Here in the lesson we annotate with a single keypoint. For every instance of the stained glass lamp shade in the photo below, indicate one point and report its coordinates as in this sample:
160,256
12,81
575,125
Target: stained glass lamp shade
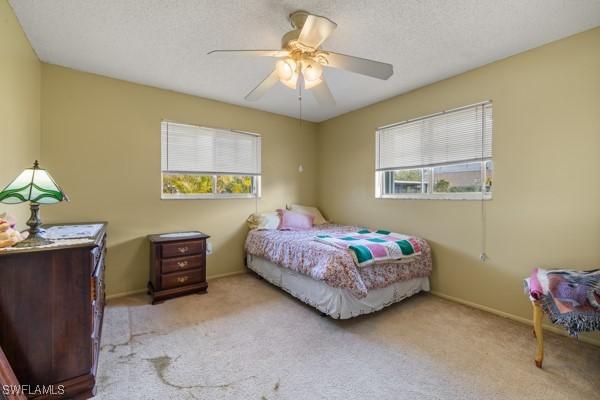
36,186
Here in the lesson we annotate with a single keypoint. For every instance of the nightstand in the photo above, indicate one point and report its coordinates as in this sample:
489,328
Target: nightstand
177,265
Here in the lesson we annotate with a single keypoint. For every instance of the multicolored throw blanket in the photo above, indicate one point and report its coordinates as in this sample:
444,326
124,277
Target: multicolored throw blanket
367,247
569,298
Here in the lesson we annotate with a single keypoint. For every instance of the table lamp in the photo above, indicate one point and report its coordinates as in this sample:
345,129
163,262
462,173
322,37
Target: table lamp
36,186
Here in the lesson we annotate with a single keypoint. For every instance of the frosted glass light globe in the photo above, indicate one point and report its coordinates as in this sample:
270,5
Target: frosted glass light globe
311,84
292,83
285,69
311,70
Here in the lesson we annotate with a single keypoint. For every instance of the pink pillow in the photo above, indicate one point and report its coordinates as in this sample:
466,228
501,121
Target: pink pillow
294,221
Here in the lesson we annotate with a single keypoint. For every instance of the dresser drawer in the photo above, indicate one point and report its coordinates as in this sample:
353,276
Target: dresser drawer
182,278
181,263
181,249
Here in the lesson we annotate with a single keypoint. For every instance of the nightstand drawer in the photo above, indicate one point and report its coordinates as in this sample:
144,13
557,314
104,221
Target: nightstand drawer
181,249
170,265
182,278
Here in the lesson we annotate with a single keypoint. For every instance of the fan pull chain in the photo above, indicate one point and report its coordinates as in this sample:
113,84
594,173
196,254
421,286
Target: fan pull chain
300,101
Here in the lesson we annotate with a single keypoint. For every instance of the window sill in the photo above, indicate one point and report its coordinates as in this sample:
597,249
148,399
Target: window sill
431,196
207,196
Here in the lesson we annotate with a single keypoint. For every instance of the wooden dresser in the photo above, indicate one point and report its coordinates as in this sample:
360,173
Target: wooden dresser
51,309
177,265
9,385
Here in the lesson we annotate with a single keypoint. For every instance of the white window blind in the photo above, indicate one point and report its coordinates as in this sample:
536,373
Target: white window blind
460,135
210,151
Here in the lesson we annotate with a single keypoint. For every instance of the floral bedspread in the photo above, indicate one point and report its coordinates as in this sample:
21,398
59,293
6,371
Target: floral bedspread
298,251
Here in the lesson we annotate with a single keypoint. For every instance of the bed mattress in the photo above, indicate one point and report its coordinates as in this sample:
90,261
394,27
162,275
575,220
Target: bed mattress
336,302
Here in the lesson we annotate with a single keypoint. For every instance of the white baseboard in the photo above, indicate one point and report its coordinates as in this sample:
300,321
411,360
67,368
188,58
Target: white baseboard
550,328
138,291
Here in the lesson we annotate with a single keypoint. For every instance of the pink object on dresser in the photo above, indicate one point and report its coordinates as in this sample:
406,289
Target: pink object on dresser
294,221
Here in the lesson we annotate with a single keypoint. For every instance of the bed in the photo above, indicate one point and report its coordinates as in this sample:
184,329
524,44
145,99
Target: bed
327,277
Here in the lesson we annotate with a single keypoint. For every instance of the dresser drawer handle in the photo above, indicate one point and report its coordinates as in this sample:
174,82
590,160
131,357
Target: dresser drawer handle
182,279
183,249
182,264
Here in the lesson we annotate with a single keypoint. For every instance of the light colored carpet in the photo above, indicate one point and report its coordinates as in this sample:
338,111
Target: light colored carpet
246,339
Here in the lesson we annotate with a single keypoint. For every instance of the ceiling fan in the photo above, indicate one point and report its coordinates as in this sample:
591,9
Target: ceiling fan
301,59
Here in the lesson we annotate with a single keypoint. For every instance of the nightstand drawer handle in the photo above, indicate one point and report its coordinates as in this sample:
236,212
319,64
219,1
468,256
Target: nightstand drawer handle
182,279
182,264
183,249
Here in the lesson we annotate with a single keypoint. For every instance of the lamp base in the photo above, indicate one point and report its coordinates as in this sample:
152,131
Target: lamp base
34,241
34,222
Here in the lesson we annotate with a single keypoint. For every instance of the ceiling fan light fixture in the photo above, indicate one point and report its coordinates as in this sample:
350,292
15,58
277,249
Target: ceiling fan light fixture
286,69
311,70
311,84
292,83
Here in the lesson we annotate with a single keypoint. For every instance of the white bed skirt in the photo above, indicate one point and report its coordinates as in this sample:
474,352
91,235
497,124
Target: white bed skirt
335,302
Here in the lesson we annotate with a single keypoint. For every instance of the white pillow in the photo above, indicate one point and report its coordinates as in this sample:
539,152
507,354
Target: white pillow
263,220
314,211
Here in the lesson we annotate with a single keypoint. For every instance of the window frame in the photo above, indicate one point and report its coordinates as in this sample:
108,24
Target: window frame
256,182
430,194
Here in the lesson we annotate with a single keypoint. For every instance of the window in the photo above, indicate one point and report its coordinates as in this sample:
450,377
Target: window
442,156
199,162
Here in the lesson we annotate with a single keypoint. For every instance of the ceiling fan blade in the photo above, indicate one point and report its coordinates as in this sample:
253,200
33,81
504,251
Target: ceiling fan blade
259,53
315,30
359,65
323,94
263,87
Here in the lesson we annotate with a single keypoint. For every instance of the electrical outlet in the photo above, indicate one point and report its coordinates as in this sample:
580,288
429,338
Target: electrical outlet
208,248
483,257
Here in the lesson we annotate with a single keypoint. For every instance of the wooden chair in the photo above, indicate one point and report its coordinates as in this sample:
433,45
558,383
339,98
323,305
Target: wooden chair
538,317
8,380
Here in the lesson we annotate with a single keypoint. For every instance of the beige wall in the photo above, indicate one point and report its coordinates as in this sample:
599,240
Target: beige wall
101,142
19,105
546,200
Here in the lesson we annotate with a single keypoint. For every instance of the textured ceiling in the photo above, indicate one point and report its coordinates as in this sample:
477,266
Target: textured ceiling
164,43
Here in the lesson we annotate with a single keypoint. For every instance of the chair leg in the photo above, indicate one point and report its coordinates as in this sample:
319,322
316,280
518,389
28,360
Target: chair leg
538,316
